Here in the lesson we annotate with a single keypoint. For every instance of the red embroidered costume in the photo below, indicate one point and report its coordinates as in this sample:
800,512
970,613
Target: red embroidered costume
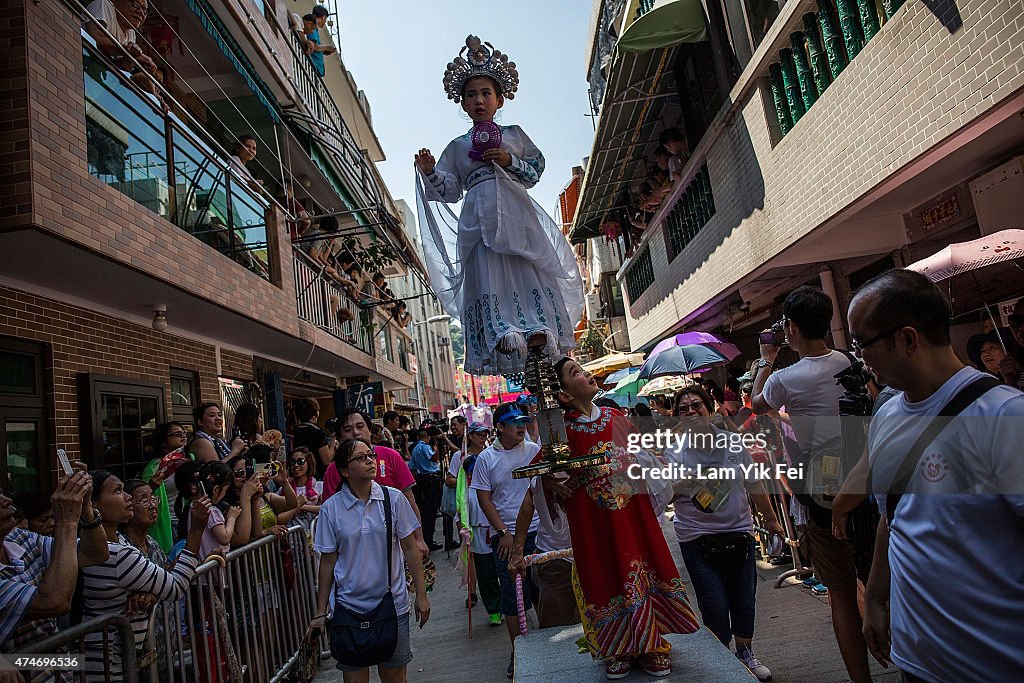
631,591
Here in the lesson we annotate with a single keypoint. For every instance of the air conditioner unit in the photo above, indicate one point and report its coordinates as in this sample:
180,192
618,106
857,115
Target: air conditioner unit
594,306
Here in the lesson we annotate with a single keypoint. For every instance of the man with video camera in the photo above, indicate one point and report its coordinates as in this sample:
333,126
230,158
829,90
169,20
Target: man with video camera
810,395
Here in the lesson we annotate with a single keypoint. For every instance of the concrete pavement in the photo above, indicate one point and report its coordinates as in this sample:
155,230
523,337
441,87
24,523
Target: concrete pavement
793,637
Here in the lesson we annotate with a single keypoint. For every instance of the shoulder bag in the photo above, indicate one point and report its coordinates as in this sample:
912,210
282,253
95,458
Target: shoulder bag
367,639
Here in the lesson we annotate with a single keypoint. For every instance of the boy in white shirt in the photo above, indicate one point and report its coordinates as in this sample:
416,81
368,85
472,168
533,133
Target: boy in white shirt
500,497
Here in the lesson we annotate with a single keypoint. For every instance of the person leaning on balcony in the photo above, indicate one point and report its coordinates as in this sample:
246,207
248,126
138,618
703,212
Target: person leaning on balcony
295,24
316,51
122,19
302,221
320,249
674,141
242,153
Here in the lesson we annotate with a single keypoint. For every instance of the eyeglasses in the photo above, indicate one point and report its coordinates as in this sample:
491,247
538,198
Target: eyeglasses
239,474
692,407
1015,320
297,462
365,457
178,433
858,347
148,501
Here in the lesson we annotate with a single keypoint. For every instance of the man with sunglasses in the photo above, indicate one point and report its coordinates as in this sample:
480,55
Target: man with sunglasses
959,619
809,393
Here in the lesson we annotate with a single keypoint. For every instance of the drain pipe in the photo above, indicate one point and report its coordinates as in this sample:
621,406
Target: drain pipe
828,285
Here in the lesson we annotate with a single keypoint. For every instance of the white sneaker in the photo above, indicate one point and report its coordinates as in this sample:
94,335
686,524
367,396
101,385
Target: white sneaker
762,672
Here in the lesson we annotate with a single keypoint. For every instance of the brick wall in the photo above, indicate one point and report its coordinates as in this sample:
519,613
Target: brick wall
82,341
913,85
235,365
15,197
68,202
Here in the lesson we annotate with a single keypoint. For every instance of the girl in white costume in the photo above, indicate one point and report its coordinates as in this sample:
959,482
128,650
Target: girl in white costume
503,266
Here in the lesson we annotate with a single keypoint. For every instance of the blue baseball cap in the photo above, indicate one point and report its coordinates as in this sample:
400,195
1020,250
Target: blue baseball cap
513,415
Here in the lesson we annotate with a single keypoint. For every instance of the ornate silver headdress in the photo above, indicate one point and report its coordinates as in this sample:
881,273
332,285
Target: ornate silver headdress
481,60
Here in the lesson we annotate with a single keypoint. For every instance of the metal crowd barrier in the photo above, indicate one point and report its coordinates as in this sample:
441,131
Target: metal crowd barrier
242,619
71,642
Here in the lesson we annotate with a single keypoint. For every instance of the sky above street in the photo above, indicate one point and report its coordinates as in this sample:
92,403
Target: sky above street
398,50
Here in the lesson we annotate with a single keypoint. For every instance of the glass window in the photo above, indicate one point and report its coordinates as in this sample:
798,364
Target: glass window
17,373
23,452
115,436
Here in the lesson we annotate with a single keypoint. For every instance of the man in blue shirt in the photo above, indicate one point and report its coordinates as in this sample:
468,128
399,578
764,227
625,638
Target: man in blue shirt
423,464
311,24
945,594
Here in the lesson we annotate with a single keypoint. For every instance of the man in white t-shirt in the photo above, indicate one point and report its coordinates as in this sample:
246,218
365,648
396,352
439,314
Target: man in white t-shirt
500,497
808,392
945,584
122,19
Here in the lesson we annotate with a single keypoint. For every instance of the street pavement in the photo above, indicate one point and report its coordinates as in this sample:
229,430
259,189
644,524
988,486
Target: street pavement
793,637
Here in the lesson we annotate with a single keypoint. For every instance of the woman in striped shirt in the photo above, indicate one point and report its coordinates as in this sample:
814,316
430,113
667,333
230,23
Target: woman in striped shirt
108,587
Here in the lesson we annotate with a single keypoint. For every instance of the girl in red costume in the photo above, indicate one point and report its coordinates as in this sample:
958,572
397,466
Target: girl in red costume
628,589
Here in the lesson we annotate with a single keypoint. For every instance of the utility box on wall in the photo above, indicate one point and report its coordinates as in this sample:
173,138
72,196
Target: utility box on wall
999,197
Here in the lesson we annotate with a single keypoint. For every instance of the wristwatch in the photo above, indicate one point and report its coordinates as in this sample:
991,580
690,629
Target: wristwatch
765,363
501,533
96,521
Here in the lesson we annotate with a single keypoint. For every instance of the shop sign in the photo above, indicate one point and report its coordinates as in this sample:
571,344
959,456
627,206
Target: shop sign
367,397
941,212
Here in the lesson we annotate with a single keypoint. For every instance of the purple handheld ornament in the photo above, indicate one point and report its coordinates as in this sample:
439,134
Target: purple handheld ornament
485,136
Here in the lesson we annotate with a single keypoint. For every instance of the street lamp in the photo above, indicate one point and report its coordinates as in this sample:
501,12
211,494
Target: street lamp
419,375
433,319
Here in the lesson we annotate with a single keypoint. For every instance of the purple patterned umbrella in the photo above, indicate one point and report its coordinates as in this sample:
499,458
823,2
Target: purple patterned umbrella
703,338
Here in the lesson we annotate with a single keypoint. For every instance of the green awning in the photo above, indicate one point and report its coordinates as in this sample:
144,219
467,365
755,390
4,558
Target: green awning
230,49
670,23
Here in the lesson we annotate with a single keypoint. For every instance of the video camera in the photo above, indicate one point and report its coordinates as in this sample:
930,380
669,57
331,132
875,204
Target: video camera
774,335
855,401
435,427
331,427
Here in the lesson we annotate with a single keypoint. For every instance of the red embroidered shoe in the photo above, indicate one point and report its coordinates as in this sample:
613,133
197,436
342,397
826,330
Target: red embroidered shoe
618,668
656,664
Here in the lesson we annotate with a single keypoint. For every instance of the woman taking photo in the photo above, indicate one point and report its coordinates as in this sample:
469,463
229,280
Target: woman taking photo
302,468
169,440
108,587
714,527
270,512
354,545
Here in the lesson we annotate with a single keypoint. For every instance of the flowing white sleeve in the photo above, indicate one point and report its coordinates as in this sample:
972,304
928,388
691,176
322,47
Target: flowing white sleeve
439,227
528,167
444,179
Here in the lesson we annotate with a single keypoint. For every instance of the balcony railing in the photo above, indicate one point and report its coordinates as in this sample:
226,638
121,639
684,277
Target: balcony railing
163,165
326,305
832,37
640,275
325,119
691,212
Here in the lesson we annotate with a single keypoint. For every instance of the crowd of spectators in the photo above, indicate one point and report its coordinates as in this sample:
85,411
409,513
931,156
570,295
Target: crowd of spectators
133,545
663,171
